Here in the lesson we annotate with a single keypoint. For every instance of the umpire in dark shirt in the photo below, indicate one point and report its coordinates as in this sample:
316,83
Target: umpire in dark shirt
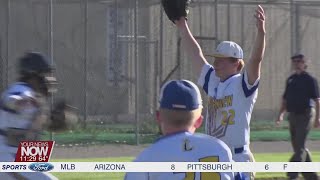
300,100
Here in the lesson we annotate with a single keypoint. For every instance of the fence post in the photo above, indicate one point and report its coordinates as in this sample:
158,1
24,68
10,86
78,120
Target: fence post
292,27
50,45
6,67
85,64
136,70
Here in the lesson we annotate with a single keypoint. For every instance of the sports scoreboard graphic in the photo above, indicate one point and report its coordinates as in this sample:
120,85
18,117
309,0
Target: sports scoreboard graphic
34,156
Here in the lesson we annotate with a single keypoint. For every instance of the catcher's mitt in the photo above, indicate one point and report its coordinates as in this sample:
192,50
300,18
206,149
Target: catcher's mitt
176,8
63,117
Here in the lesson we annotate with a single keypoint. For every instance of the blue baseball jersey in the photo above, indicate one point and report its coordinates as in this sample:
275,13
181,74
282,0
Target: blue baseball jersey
184,147
229,107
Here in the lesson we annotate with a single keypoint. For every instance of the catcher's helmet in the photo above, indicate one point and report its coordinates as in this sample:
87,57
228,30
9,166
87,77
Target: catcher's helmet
34,63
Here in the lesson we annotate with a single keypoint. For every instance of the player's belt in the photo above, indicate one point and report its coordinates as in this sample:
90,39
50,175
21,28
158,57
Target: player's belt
238,150
3,133
8,110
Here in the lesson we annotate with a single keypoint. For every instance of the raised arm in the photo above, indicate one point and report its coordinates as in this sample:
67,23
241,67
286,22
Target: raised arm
191,46
254,64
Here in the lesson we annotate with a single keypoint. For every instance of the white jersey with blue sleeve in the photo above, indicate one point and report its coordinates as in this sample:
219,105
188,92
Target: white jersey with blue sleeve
229,107
184,147
16,119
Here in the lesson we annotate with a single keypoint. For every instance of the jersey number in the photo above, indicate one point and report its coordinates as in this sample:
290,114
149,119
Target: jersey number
205,175
228,114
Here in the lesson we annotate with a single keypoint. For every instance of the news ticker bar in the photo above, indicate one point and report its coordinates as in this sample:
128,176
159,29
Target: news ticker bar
160,167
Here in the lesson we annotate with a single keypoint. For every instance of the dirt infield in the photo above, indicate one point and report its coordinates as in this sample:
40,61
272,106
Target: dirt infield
114,150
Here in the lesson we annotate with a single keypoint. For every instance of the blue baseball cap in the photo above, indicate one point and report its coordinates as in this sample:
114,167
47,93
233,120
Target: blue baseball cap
180,95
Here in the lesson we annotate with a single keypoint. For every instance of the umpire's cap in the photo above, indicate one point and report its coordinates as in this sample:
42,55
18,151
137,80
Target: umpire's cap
297,56
34,63
180,95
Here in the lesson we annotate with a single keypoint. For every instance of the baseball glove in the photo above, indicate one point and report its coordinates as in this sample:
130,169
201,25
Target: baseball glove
63,117
176,8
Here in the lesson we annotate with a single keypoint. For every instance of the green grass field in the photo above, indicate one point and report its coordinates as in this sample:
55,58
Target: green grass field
265,157
115,133
129,138
101,137
108,133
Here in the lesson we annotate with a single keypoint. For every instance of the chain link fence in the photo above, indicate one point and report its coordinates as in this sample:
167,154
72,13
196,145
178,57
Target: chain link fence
111,56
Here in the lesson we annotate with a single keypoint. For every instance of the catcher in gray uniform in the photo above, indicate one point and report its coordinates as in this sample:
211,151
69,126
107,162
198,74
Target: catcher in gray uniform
24,110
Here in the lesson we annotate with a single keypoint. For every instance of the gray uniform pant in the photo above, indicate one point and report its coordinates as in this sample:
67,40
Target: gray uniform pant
300,125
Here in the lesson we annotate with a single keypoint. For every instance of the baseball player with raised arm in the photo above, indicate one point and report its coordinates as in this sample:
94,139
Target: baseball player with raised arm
232,92
24,111
178,117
